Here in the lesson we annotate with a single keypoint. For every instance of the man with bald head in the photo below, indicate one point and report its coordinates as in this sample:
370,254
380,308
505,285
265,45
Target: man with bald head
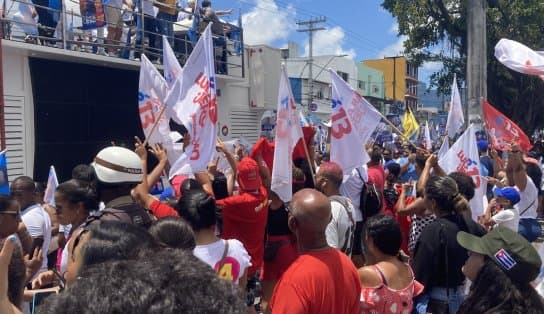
341,229
322,279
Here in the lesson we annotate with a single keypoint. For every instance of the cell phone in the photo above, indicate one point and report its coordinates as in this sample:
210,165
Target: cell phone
40,295
36,243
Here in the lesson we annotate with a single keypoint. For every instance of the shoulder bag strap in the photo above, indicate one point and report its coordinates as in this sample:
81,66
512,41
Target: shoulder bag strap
526,209
222,260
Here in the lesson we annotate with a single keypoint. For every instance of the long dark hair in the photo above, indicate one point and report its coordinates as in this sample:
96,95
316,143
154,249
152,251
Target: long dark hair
446,194
494,292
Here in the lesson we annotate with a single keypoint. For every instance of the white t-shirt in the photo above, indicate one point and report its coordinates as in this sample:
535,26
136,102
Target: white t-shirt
351,188
340,230
508,218
38,224
235,264
528,200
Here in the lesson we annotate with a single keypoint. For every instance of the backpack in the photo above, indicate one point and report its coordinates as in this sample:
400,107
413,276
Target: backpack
370,201
129,213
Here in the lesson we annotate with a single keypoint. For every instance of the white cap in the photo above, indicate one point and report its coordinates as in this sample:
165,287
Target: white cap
116,164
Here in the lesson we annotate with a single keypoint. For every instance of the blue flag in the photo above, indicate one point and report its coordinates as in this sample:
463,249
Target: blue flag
4,183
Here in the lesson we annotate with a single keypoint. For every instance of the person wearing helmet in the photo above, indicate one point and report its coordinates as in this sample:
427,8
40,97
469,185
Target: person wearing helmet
118,170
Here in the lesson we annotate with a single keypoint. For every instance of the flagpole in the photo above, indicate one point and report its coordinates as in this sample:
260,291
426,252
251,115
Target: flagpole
308,158
154,125
399,132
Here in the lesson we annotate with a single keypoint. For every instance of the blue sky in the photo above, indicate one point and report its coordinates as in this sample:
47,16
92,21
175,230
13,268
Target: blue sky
359,28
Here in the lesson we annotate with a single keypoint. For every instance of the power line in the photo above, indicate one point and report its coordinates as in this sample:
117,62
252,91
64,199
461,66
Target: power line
311,28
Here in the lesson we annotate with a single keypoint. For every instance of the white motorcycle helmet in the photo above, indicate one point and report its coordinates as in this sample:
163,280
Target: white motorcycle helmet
116,164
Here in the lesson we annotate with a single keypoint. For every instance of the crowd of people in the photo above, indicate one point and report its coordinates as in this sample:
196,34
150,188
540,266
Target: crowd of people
395,235
121,28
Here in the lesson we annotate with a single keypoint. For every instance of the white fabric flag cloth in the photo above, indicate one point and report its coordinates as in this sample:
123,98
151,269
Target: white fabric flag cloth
456,118
463,157
52,184
152,90
288,132
519,57
353,121
427,137
444,148
193,103
171,66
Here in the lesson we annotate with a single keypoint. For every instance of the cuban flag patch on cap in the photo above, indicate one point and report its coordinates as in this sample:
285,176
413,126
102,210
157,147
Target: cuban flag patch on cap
504,259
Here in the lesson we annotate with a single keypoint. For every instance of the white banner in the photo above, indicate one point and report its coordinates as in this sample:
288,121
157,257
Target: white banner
519,57
353,121
463,157
193,103
427,137
52,184
288,132
456,118
171,66
152,90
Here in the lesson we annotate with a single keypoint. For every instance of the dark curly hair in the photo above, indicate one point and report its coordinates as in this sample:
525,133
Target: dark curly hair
494,292
167,282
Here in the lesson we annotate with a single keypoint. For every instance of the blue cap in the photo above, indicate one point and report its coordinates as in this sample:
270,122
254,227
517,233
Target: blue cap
509,193
482,145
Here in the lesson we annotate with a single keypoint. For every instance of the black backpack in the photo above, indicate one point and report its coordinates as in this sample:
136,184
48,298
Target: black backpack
370,200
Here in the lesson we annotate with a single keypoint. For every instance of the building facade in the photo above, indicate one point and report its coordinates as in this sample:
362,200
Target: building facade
400,82
370,84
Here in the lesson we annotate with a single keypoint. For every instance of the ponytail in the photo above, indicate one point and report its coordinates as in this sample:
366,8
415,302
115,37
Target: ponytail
459,204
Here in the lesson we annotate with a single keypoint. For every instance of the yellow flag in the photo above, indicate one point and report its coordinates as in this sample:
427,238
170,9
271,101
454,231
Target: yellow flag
409,123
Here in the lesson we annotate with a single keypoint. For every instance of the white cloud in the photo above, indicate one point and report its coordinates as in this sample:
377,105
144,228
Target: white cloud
330,42
432,66
266,23
394,29
395,49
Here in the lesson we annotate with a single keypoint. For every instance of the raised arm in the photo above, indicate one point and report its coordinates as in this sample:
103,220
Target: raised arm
160,153
515,169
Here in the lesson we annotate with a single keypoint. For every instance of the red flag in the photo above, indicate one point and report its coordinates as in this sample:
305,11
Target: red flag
309,133
265,148
502,131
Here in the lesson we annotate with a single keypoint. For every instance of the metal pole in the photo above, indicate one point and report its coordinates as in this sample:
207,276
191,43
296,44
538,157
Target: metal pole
476,61
63,24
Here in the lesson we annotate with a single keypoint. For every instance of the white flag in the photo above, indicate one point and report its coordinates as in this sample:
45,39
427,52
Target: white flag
52,183
152,90
463,157
171,66
519,57
444,148
456,118
427,137
288,132
353,121
193,103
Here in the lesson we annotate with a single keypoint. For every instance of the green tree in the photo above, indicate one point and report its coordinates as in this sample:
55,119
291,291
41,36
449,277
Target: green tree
440,25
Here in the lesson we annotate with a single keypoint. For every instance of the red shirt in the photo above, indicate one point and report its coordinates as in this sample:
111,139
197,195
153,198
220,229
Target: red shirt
161,210
318,282
376,175
244,219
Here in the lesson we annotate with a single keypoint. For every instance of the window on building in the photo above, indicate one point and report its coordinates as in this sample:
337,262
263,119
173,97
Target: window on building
343,75
320,94
361,84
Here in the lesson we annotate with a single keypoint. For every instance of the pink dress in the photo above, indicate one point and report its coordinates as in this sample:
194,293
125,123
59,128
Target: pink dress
384,300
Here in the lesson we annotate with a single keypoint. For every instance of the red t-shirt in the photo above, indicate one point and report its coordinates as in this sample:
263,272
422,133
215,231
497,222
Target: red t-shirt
376,175
244,219
318,282
161,210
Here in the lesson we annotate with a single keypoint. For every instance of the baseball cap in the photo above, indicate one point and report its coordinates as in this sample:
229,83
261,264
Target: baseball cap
248,174
509,250
509,193
482,145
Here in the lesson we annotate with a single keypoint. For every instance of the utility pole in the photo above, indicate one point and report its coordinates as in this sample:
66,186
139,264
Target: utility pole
476,61
311,28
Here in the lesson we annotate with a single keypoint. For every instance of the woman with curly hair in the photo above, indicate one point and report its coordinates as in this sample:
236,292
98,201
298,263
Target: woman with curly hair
501,266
